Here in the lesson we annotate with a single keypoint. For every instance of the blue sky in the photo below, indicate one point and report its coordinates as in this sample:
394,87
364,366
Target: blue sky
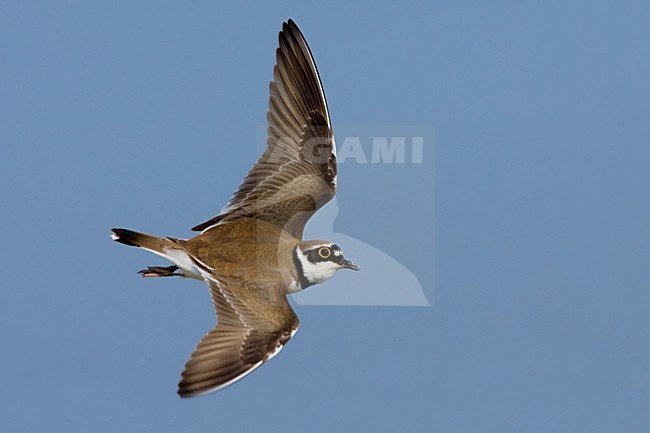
526,224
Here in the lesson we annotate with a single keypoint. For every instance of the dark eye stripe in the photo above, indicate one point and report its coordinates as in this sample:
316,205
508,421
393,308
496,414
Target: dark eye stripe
315,257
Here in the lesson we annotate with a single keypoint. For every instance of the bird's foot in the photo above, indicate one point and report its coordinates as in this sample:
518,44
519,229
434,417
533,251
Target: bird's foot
160,271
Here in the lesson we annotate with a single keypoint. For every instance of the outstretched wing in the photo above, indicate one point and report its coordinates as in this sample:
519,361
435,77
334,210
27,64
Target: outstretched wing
296,174
253,325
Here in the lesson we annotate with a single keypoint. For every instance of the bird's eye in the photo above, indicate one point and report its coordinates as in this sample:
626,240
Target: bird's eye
324,252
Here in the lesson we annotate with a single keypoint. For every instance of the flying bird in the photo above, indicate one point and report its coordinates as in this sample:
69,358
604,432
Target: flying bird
252,254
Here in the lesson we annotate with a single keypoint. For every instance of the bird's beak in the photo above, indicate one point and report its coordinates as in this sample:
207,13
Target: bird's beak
346,264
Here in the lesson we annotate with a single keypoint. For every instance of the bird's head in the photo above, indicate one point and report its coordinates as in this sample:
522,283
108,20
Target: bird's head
319,260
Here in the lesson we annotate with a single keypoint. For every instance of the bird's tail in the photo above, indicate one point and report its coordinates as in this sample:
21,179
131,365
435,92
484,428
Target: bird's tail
141,240
169,248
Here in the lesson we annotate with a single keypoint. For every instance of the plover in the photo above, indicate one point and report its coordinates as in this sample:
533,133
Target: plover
252,254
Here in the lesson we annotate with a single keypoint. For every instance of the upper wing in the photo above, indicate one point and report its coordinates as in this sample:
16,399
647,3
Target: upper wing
252,328
296,174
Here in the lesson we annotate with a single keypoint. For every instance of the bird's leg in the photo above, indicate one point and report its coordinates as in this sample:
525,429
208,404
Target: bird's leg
160,271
